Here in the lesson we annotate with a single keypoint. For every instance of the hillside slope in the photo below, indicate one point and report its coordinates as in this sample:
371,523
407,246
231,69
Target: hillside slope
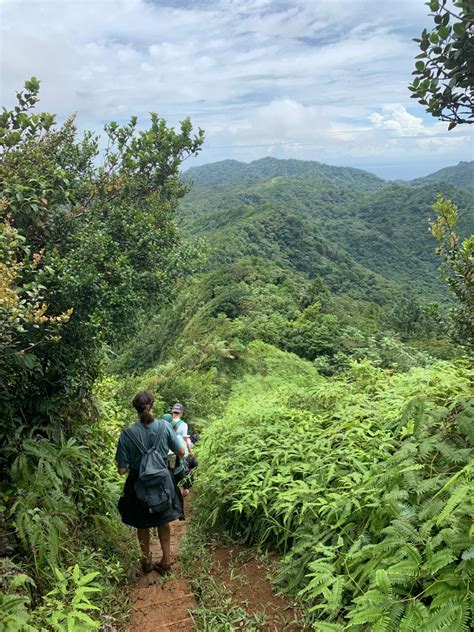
350,238
460,175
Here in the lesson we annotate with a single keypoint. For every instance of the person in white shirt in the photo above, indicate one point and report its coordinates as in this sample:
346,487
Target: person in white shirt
180,425
181,429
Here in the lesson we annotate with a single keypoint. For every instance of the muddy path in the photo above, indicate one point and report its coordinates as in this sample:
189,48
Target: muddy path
163,604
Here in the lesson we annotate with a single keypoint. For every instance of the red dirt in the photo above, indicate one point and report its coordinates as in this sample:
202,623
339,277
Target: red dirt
243,578
163,604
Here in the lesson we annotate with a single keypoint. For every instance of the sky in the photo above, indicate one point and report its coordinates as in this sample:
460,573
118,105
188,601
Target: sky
321,80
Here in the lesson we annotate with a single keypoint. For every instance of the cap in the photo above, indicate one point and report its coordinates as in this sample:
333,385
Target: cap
177,408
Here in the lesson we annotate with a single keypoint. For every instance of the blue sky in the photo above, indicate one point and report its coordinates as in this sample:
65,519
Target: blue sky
318,80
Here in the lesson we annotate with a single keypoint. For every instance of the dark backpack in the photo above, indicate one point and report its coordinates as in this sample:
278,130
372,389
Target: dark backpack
154,487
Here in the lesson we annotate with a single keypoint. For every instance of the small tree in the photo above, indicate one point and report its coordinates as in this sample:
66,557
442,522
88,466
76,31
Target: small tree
444,81
458,268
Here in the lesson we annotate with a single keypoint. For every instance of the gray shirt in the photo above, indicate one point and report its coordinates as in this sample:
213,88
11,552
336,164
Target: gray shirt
128,455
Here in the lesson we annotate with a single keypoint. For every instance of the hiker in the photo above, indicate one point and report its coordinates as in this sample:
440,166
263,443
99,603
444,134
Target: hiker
181,428
180,425
179,465
147,432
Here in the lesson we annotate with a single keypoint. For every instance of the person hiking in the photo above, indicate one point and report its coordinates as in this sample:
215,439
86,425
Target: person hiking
148,432
181,428
180,425
179,465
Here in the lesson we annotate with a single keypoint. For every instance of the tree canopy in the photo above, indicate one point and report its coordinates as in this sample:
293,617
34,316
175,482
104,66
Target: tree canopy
88,245
444,71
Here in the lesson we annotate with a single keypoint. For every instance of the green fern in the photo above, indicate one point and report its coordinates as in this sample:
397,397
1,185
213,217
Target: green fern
374,512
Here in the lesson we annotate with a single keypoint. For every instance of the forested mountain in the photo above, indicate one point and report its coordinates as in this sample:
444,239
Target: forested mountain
335,414
348,237
460,175
291,311
233,171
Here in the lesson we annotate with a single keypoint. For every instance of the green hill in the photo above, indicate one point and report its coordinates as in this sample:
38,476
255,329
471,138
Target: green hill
232,171
460,175
360,242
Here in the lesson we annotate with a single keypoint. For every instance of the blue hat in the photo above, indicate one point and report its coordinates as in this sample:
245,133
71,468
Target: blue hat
177,408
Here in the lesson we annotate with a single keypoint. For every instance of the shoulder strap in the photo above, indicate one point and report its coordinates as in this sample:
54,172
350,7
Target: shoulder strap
134,438
160,432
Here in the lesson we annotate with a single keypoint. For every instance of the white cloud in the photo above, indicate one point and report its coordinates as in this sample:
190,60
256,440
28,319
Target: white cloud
286,127
290,77
396,119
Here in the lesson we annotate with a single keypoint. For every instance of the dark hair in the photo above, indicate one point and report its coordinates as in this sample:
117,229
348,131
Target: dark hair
143,403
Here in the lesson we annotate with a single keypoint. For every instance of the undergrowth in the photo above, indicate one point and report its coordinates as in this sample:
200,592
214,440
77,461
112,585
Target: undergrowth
364,482
72,555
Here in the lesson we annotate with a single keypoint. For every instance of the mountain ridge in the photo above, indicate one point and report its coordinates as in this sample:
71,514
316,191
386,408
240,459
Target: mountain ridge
343,235
231,171
460,175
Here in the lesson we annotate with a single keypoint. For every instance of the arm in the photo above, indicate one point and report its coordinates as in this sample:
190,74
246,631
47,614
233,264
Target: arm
183,431
122,456
174,443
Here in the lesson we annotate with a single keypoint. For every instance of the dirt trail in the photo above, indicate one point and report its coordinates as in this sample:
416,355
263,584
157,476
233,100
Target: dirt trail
243,578
162,604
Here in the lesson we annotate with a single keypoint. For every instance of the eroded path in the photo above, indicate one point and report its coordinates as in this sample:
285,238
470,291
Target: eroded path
163,604
244,578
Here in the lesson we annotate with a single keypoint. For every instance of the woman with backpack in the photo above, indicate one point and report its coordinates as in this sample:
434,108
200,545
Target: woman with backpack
150,497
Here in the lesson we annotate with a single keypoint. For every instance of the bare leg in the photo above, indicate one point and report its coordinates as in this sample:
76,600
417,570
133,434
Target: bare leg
144,540
164,533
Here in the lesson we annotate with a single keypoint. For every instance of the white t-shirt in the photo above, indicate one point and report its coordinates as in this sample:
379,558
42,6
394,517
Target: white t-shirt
182,430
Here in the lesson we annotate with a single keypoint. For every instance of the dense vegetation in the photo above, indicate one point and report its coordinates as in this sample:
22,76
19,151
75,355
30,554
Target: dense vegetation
88,249
306,330
232,171
347,236
364,481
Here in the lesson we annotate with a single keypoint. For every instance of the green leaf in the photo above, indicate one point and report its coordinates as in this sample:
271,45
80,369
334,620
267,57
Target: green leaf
443,32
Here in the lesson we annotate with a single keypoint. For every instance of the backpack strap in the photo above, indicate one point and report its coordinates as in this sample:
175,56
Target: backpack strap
138,443
160,432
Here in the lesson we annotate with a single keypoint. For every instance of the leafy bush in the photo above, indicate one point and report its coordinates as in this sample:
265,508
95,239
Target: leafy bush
88,249
88,242
68,606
